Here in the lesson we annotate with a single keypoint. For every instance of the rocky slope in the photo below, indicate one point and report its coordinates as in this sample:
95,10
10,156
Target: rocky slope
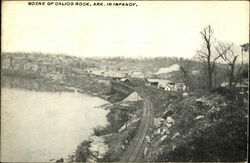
198,128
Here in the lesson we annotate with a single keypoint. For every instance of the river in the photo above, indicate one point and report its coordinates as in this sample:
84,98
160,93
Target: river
37,126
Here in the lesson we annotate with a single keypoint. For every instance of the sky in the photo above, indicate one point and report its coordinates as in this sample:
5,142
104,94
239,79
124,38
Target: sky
151,29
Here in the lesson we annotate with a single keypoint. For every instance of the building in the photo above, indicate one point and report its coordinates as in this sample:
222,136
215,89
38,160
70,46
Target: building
166,85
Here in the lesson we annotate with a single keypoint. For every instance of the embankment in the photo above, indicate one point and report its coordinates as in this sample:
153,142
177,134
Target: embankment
124,119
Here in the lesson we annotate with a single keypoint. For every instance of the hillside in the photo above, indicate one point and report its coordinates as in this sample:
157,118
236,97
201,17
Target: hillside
208,127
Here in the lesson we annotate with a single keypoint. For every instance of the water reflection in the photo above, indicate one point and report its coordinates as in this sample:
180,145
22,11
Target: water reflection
30,84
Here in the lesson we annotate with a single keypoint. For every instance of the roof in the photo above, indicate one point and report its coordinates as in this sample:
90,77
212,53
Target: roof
158,81
133,97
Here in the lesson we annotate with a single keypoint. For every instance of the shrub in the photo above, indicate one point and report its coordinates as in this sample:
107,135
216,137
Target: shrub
82,152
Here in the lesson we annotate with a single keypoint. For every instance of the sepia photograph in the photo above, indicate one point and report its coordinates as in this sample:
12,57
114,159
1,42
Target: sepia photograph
124,81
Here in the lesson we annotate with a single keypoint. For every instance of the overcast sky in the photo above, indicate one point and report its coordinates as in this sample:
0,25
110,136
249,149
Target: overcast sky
150,29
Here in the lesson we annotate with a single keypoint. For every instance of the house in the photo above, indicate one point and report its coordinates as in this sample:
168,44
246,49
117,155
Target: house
162,85
180,86
170,86
152,82
158,83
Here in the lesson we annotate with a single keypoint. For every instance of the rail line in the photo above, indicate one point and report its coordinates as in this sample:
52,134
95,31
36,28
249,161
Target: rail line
135,150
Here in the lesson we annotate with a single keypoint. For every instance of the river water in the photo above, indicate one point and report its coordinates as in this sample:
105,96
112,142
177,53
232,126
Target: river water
39,126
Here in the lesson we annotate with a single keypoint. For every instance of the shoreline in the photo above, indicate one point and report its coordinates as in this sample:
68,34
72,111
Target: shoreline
66,88
63,87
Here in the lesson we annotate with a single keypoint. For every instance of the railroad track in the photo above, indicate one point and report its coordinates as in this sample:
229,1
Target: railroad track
135,150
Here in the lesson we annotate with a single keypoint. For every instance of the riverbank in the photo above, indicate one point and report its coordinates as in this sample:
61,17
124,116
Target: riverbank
55,83
124,118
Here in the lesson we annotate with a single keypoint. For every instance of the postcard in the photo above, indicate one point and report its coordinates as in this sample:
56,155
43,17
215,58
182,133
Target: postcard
124,81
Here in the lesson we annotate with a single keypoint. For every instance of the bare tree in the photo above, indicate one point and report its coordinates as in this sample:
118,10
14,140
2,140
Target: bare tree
185,65
227,53
206,55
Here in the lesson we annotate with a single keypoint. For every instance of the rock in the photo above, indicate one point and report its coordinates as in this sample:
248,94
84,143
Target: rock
158,131
163,138
147,139
176,134
185,95
167,113
205,101
170,120
199,117
165,131
97,147
158,122
169,124
201,100
214,108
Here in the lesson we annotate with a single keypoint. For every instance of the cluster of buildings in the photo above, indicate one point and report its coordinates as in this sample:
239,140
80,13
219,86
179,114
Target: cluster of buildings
166,85
152,80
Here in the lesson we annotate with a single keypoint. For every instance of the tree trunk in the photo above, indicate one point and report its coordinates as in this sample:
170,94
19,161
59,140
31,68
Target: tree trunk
210,71
231,77
210,76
